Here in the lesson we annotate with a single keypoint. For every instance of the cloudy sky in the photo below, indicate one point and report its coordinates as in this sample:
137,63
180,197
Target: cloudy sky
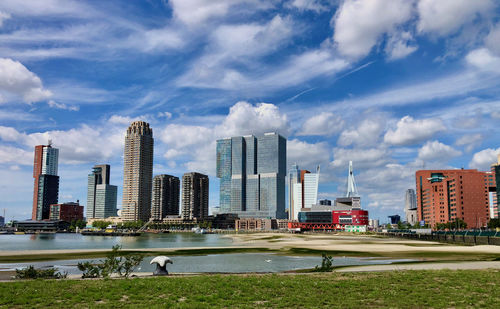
394,86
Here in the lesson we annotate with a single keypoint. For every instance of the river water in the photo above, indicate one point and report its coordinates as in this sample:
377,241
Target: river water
78,241
233,262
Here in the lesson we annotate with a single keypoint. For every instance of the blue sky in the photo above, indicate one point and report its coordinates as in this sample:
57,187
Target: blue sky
394,86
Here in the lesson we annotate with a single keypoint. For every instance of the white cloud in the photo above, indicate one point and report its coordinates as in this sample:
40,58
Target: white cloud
483,59
3,17
197,12
470,141
436,151
245,118
361,157
359,24
16,79
492,40
366,133
444,17
409,131
399,46
54,104
45,8
15,155
483,159
325,123
303,5
307,155
167,115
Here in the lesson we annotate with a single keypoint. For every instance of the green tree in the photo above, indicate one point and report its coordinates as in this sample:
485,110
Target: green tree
494,223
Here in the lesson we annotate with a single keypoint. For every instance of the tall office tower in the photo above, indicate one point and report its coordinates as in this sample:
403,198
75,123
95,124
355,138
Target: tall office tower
165,201
293,179
447,195
46,183
252,172
137,172
411,207
194,196
101,196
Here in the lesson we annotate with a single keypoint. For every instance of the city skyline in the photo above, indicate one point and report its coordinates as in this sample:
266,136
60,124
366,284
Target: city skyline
413,88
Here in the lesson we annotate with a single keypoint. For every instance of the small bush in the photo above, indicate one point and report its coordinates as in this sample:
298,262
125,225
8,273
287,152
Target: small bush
326,264
113,263
31,272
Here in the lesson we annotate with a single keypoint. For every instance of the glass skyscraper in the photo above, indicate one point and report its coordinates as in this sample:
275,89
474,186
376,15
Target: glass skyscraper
252,173
101,196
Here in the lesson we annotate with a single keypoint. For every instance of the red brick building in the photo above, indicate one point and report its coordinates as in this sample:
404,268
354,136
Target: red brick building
445,195
66,212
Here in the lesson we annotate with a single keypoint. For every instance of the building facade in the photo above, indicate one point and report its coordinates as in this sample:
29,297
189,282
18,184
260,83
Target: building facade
46,181
101,196
303,190
66,212
137,172
448,195
194,196
411,207
252,172
165,200
495,195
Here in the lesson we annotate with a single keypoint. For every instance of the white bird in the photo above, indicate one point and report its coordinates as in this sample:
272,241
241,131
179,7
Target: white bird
161,260
269,261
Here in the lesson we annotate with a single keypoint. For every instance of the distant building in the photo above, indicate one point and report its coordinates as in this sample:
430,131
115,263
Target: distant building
411,207
252,174
2,221
325,202
256,224
447,195
66,212
373,223
165,200
137,172
304,192
194,196
101,196
495,194
394,219
46,183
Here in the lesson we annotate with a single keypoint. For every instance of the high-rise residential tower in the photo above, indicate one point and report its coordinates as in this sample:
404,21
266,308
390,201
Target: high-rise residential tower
293,179
46,184
137,172
194,196
165,201
252,172
101,196
495,195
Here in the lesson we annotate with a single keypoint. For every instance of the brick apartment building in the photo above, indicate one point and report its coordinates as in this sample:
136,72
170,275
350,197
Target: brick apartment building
66,212
445,195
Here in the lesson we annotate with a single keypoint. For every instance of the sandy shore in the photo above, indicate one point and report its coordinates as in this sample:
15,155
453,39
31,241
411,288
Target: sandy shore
355,243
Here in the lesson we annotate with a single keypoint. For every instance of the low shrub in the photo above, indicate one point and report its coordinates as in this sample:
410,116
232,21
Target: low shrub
31,272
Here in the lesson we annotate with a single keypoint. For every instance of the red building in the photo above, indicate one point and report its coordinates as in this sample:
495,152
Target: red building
66,212
46,181
447,195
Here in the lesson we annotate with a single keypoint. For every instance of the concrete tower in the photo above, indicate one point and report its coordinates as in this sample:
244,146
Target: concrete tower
137,172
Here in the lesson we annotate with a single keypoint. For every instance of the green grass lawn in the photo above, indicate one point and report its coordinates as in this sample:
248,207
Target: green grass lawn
407,289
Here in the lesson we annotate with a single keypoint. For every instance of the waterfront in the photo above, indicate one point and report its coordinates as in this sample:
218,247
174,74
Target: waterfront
70,241
218,263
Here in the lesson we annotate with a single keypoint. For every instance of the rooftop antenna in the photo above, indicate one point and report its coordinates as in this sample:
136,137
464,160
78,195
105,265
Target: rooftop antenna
352,190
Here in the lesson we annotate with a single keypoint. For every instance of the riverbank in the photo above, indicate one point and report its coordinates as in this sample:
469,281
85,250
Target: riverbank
414,289
290,244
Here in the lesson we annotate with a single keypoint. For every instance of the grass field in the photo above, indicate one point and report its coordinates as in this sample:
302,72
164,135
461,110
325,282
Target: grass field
406,289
